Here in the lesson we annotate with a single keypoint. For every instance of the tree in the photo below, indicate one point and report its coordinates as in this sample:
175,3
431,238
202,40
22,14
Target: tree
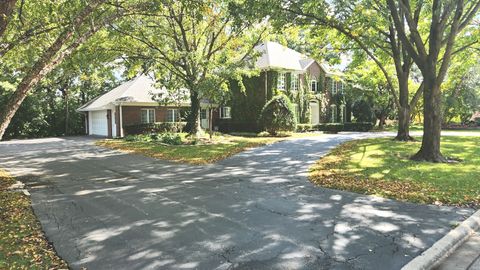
196,45
278,115
432,53
35,56
461,91
370,84
365,26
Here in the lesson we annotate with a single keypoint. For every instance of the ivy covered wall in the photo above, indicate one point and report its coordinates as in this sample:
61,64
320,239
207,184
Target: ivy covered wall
248,103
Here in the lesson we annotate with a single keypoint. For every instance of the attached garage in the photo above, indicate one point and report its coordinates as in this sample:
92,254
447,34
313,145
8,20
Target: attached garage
98,123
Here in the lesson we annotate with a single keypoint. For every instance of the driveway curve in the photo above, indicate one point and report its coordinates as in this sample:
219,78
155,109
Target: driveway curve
104,209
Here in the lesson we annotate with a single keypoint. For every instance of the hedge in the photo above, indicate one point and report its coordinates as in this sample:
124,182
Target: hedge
158,127
304,127
348,126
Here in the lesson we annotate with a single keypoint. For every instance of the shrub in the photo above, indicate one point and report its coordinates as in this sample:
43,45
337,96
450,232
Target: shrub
477,121
171,138
159,127
304,127
330,127
358,126
362,111
130,138
337,127
278,115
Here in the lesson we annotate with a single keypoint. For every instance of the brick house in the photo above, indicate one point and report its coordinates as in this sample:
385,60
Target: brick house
131,103
316,91
281,70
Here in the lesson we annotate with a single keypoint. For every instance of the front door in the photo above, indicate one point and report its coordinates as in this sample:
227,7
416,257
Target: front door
315,113
204,122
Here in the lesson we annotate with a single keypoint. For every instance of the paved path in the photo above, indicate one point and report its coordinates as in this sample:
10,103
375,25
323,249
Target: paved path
104,209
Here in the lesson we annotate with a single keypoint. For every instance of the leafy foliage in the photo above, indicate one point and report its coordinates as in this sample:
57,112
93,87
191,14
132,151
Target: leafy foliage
362,111
22,242
278,115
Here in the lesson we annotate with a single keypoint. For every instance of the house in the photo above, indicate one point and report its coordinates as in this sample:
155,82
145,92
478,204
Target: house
131,103
316,91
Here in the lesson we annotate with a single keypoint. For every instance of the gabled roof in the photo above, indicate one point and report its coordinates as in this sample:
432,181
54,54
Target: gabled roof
274,55
140,89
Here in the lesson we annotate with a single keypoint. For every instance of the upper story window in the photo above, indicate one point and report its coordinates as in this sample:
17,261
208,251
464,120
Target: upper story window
147,116
225,112
294,82
281,81
173,115
313,84
334,86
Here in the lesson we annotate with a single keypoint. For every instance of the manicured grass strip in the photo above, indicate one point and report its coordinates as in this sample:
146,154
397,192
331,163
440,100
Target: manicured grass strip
219,149
22,242
382,167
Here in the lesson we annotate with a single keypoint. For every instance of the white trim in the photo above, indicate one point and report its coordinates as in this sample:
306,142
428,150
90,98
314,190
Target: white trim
281,81
316,85
294,81
174,115
222,113
149,121
121,120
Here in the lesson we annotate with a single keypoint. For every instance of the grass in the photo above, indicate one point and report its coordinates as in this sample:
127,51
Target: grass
382,167
22,242
219,148
419,127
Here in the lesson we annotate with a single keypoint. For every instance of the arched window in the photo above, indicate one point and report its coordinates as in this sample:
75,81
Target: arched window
313,84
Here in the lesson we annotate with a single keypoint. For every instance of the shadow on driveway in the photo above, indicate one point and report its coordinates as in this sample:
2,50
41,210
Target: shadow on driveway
104,209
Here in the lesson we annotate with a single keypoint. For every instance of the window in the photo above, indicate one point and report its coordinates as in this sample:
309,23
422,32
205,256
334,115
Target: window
313,85
281,81
334,113
334,87
203,114
225,112
294,83
147,116
342,88
173,115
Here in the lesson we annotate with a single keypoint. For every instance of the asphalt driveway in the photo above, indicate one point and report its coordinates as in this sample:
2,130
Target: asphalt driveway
104,209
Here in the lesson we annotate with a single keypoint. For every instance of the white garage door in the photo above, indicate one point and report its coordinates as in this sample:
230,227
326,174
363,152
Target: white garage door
99,123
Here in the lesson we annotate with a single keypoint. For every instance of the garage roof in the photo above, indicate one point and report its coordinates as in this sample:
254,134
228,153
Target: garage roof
140,89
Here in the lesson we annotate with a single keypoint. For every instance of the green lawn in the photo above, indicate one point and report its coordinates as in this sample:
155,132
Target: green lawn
382,167
22,242
207,151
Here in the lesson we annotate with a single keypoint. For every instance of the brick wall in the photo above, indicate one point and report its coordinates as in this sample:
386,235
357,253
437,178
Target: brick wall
132,114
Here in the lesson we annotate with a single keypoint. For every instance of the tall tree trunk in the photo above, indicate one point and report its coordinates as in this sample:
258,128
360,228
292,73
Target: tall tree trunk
381,121
430,149
194,117
66,112
50,58
403,132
